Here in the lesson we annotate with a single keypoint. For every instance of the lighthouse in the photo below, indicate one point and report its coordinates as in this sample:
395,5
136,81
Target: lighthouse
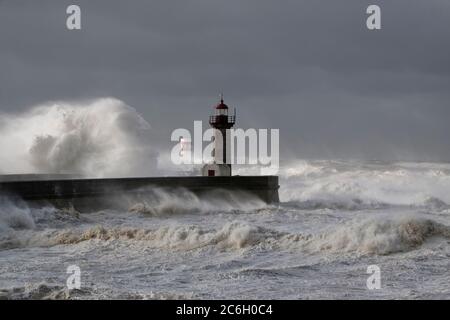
221,121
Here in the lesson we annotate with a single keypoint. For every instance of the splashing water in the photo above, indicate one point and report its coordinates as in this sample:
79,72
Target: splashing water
99,138
336,218
364,185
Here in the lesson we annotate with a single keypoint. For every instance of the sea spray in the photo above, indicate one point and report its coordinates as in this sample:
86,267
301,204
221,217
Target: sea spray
341,218
357,186
378,235
368,236
161,202
14,216
98,138
233,235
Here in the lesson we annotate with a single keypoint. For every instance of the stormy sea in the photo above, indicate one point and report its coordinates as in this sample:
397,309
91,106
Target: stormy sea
335,219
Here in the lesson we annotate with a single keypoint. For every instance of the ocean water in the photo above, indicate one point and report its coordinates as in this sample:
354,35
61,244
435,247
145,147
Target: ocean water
335,219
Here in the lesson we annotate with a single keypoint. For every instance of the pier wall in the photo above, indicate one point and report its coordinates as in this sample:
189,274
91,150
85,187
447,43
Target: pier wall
85,194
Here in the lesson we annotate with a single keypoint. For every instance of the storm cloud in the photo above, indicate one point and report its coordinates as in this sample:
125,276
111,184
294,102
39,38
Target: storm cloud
310,68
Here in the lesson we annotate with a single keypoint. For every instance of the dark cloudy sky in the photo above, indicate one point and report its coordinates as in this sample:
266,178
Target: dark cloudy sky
310,68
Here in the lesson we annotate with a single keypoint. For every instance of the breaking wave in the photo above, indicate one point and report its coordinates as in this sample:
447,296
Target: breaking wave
17,215
233,235
20,225
379,236
354,186
370,236
14,217
100,138
160,202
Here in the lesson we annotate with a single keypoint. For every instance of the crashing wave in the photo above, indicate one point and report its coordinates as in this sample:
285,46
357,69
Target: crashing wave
17,215
159,202
380,236
100,138
13,216
370,236
336,185
234,235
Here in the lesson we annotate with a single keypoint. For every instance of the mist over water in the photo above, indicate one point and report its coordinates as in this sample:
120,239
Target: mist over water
335,219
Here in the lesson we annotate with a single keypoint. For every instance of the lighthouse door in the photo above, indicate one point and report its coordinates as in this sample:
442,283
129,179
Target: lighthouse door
211,173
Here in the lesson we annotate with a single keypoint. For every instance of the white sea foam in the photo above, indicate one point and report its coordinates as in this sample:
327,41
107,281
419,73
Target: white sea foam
232,236
379,235
343,185
374,235
13,216
161,202
47,291
340,218
40,291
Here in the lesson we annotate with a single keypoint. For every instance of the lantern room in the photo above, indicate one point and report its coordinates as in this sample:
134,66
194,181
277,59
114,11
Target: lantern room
221,119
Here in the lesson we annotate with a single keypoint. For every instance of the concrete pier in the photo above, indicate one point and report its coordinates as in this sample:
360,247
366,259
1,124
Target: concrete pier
94,194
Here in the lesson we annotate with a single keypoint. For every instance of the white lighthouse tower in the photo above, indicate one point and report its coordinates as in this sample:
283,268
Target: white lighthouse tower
221,121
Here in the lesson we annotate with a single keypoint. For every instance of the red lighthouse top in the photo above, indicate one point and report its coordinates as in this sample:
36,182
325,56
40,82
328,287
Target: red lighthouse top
221,105
221,119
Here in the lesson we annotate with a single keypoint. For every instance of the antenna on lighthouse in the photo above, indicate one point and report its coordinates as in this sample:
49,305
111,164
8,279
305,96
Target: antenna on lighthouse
221,97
